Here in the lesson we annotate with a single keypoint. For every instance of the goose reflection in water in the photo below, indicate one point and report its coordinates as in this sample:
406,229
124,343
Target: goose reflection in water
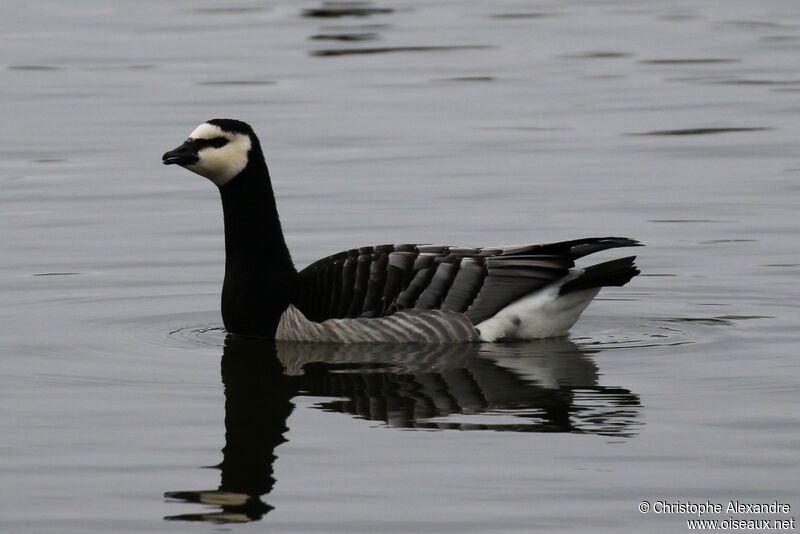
545,386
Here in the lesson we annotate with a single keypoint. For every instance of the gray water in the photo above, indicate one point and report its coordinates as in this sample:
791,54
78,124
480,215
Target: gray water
674,122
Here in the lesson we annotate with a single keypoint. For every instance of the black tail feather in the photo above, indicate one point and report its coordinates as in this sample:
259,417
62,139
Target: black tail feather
610,273
584,247
574,249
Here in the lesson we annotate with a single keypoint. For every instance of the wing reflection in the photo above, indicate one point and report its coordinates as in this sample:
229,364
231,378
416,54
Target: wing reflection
548,386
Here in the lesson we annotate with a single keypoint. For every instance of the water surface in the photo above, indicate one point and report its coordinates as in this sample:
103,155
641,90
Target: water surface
481,124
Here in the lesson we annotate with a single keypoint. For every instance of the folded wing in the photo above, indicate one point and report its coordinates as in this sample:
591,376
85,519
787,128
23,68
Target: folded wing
478,282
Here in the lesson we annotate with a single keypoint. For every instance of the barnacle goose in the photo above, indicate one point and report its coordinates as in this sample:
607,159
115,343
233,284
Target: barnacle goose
385,293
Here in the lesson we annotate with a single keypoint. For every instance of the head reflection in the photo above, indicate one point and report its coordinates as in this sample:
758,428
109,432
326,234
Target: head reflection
548,386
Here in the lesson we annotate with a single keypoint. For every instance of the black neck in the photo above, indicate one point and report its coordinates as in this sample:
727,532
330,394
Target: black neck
259,273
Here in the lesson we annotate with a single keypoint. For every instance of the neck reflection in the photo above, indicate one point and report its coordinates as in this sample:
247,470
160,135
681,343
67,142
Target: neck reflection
257,405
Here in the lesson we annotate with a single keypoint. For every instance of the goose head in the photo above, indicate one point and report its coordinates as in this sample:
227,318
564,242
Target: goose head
218,149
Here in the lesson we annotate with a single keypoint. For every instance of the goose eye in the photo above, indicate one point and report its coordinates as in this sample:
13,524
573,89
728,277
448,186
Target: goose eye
218,142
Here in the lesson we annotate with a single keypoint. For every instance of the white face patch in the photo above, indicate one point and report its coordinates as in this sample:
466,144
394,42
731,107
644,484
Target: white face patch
221,164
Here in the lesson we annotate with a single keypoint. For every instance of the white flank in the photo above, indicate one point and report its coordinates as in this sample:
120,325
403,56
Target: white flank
220,165
542,314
